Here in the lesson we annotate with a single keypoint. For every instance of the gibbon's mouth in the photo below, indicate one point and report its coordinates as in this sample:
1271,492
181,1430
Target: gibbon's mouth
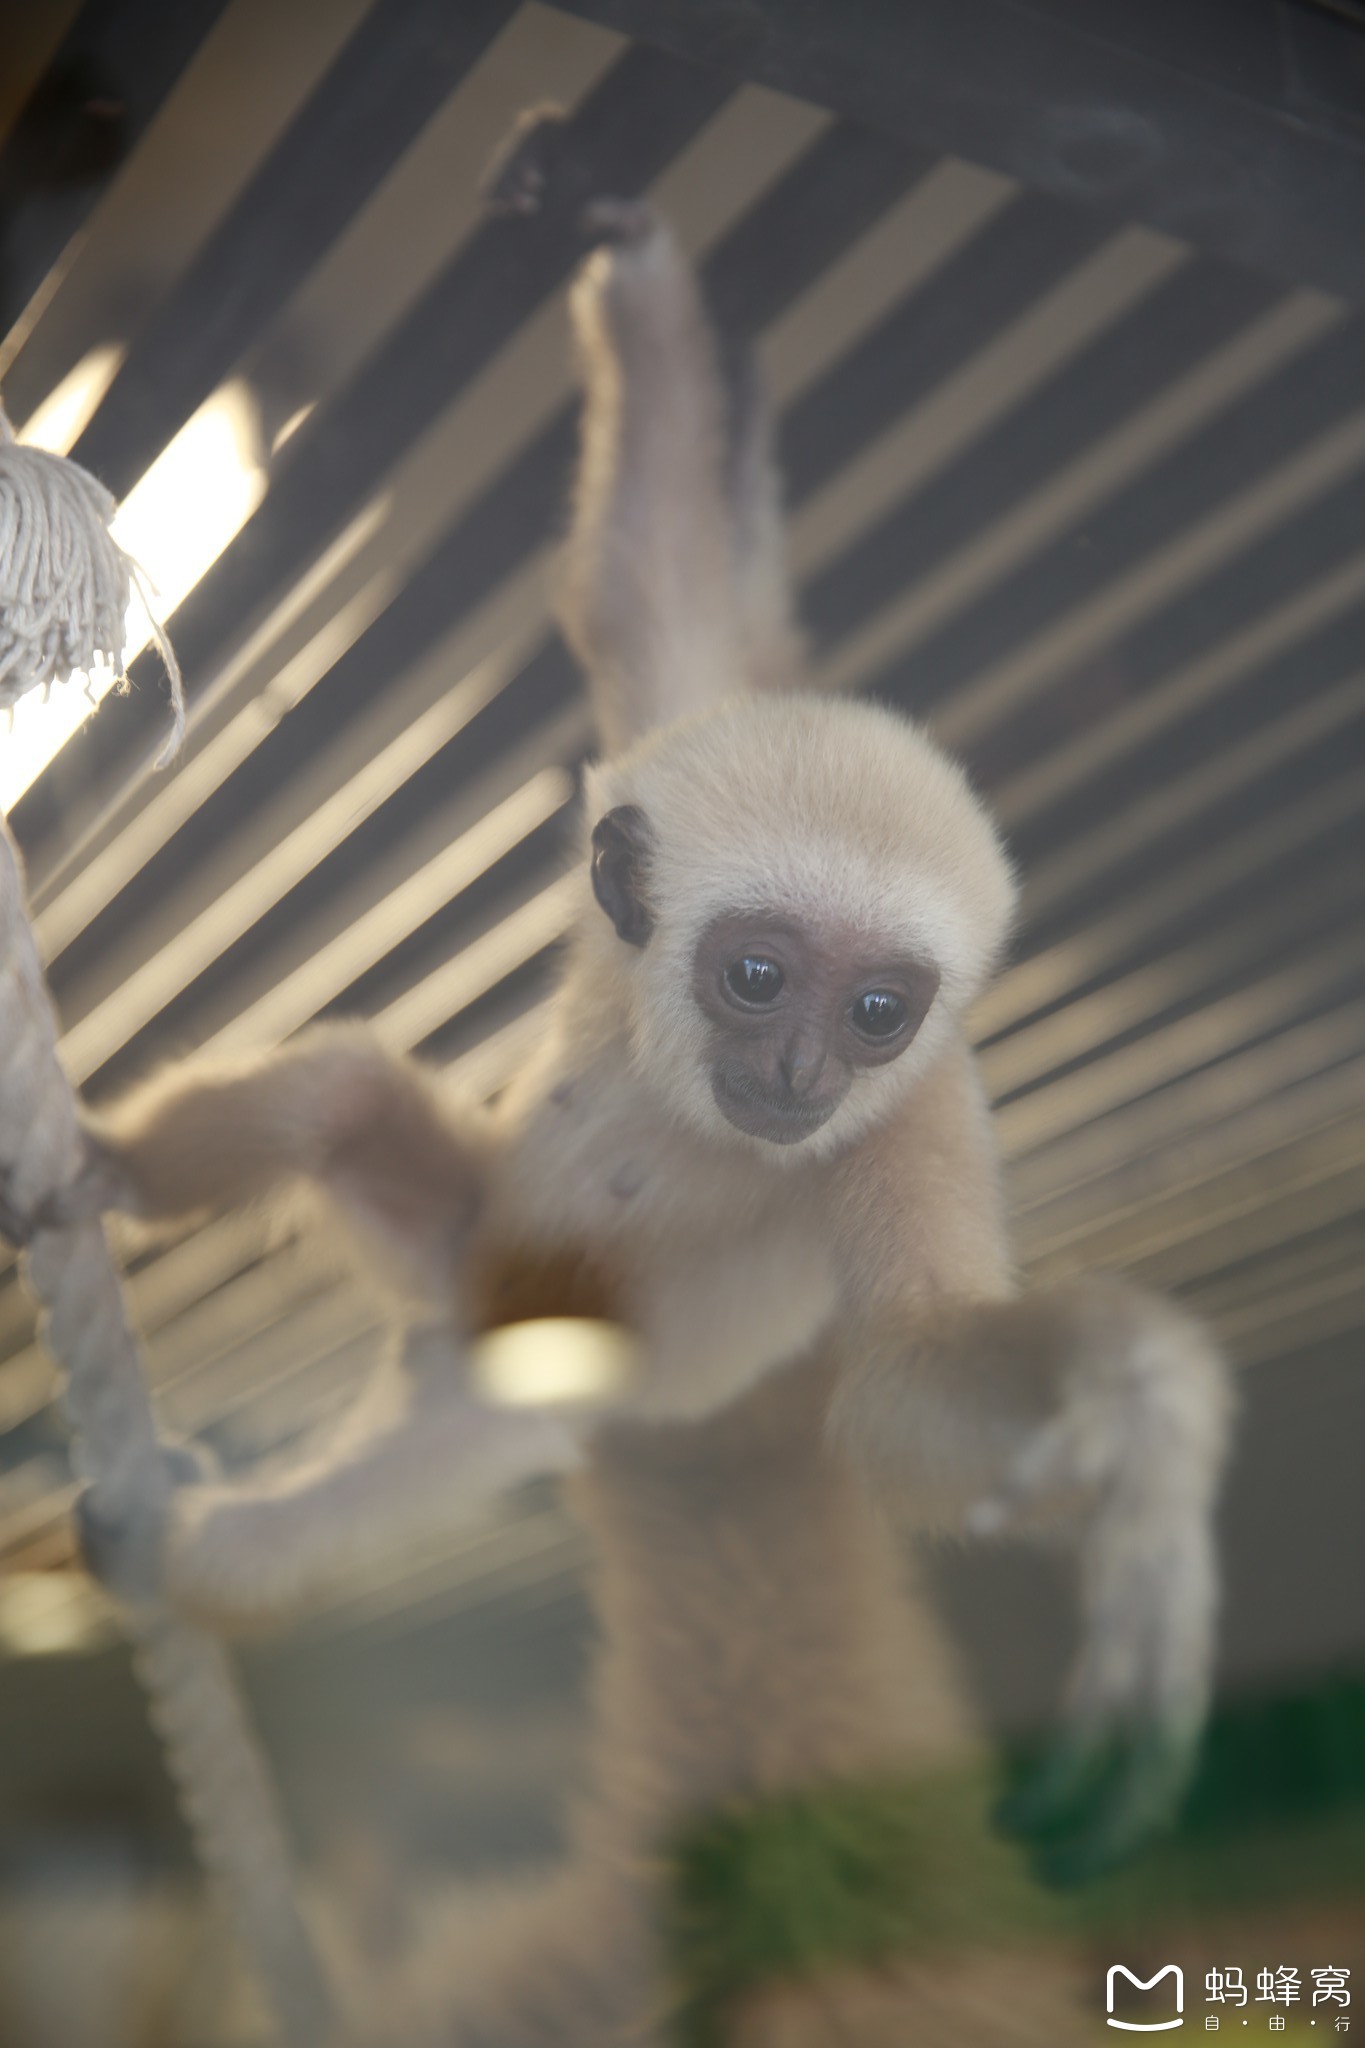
760,1115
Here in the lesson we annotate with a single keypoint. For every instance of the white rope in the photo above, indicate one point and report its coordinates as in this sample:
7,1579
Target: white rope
64,590
193,1698
64,580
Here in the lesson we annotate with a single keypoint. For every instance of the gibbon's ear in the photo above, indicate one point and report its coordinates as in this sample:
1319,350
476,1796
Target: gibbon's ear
621,846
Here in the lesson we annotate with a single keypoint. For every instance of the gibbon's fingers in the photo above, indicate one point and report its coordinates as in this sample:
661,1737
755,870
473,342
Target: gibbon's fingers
1063,1457
93,1188
99,1184
122,1542
1094,1800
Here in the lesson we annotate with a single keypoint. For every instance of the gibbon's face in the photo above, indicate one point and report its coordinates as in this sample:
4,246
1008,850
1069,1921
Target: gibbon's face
764,1022
809,896
794,1015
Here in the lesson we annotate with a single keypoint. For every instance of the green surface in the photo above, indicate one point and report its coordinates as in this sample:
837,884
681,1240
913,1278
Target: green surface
851,1874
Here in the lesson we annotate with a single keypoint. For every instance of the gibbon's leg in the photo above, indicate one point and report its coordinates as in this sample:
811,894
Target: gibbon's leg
416,1456
1104,1411
333,1107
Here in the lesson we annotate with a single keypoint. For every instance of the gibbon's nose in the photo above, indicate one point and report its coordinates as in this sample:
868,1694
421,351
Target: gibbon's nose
802,1064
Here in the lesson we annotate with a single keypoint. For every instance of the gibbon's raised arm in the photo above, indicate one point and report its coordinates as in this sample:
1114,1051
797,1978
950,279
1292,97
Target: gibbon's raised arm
672,588
645,593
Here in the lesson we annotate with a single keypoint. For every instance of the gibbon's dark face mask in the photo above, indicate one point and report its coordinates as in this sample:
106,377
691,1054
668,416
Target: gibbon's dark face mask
796,1014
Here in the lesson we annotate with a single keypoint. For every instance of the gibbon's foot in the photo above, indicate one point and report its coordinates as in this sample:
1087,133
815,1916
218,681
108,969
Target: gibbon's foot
122,1542
1091,1803
15,1227
542,165
1140,1435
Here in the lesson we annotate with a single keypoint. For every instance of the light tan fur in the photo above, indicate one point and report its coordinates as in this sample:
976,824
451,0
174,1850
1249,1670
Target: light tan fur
819,1318
757,1637
889,840
672,589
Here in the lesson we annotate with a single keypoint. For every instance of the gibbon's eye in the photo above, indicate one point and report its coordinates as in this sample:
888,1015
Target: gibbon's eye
878,1014
754,979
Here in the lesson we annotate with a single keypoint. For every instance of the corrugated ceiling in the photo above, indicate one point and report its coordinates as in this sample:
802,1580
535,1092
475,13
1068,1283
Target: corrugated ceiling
1087,498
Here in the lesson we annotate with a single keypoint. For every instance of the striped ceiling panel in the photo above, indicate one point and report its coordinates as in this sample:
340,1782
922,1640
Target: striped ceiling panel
1079,484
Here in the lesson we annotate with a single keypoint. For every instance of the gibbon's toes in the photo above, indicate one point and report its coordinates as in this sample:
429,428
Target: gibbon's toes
1093,1802
15,1227
542,168
121,1544
526,162
1047,1791
1144,1788
122,1541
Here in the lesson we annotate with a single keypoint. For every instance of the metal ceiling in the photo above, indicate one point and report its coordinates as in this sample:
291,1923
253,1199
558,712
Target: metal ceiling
1088,496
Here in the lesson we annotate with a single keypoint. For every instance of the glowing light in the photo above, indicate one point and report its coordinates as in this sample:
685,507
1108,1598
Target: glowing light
67,411
195,498
291,426
175,522
555,1361
47,1614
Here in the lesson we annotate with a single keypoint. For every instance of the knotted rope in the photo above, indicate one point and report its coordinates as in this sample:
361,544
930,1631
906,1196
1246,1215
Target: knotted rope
66,581
64,590
193,1697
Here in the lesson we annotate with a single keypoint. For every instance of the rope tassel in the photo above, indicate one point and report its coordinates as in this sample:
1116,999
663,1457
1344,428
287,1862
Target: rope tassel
65,583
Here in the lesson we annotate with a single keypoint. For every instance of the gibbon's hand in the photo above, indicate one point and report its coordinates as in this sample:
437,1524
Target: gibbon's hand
123,1543
98,1184
1138,1441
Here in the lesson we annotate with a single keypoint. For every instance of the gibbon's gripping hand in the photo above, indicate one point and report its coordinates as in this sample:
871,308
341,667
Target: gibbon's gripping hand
1137,1444
123,1542
543,168
98,1185
1102,1412
372,1135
